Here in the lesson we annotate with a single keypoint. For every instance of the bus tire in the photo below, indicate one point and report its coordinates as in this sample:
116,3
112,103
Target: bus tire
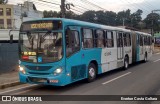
91,72
126,63
145,57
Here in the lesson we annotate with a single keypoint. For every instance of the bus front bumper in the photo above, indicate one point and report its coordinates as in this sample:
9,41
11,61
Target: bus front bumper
59,80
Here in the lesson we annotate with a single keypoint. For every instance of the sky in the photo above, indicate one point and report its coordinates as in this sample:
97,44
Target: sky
111,5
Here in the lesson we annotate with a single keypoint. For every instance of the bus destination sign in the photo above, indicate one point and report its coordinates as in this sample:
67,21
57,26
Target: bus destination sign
41,25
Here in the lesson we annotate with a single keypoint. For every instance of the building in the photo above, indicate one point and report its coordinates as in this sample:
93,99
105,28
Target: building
11,16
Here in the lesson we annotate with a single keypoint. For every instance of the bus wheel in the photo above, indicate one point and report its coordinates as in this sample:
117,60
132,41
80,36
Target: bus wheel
126,63
145,57
91,72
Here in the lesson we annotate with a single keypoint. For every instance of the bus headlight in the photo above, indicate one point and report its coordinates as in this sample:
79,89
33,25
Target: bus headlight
21,69
58,71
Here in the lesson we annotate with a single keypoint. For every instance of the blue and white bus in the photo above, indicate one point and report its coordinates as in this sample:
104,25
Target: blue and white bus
57,51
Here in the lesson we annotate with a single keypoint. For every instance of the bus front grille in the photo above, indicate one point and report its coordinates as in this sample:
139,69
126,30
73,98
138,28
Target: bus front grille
38,80
38,68
36,73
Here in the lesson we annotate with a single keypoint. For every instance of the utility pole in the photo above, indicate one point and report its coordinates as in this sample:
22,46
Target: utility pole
152,25
63,10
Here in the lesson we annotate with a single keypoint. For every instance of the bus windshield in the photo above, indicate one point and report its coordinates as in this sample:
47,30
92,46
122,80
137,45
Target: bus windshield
41,47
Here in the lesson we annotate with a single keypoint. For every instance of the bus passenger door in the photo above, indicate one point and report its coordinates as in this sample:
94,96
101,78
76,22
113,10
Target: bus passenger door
141,47
138,48
120,49
73,54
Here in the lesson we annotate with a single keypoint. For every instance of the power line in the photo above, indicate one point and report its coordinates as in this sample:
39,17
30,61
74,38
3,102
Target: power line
76,10
145,4
62,6
42,4
79,6
89,4
136,6
82,7
49,2
93,4
148,3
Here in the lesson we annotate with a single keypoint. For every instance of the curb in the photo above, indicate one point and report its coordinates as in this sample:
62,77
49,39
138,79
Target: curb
6,85
157,53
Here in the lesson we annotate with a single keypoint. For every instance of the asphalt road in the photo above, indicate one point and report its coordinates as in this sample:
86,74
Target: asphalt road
139,79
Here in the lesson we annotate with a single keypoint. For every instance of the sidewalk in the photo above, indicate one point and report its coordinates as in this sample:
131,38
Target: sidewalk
156,50
9,79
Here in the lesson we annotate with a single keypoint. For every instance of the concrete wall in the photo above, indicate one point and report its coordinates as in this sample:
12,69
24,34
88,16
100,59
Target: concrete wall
8,57
4,34
8,52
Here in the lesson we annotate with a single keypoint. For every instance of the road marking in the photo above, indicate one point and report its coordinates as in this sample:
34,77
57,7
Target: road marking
116,78
22,92
17,89
157,53
156,60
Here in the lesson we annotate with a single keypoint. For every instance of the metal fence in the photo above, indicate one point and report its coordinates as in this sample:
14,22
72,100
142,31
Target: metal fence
8,57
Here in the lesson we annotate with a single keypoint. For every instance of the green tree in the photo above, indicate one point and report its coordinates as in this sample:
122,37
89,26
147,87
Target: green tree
3,1
123,17
89,16
110,18
70,15
136,18
49,14
153,17
100,17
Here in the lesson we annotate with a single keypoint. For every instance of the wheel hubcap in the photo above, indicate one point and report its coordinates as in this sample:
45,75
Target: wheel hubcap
92,72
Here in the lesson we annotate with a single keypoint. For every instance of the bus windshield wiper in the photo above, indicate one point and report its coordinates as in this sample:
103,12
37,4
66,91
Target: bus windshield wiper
42,39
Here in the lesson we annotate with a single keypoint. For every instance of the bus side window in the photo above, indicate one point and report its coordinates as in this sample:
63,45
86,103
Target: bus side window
125,39
128,39
72,42
119,40
137,37
150,41
141,40
87,38
109,39
99,38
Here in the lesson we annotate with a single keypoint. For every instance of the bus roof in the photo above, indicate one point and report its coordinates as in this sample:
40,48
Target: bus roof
78,22
143,33
94,25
